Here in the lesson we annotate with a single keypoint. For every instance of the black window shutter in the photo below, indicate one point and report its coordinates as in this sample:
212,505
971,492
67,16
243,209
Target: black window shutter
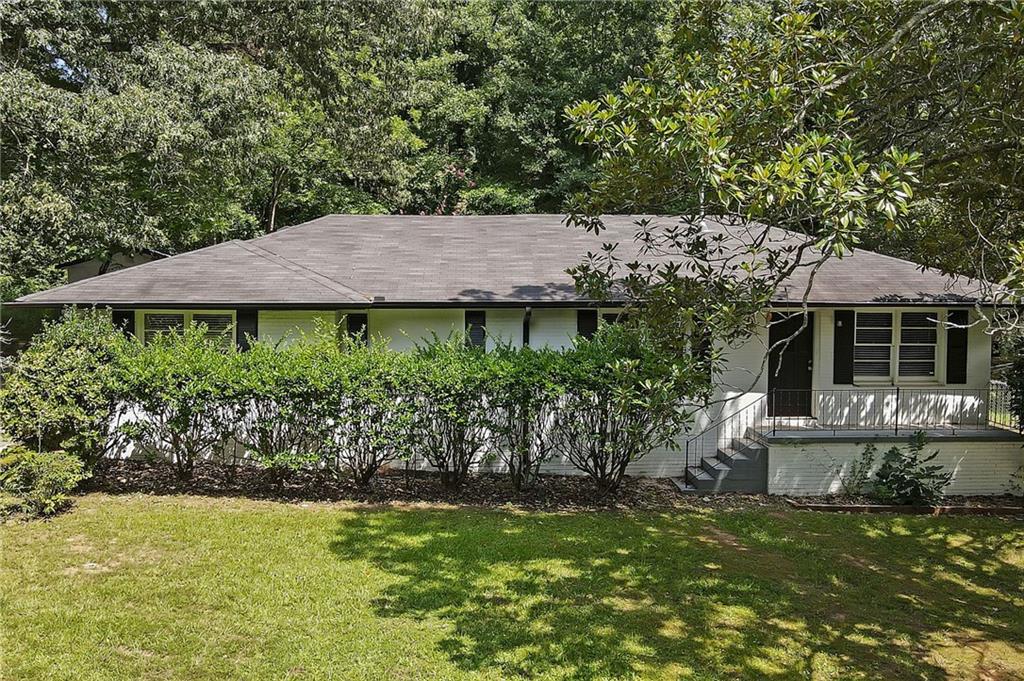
586,323
956,347
842,355
475,333
124,320
246,326
358,324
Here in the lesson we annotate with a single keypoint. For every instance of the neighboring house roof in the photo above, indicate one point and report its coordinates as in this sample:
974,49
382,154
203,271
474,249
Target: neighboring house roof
152,253
347,261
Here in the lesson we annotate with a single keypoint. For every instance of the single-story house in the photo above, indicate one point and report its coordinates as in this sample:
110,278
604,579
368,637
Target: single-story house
889,347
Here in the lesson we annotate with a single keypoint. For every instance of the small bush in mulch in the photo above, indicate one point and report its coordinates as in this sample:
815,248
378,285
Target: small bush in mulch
391,486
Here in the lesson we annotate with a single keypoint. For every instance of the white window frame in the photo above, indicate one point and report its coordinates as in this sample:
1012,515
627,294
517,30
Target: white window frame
140,320
939,378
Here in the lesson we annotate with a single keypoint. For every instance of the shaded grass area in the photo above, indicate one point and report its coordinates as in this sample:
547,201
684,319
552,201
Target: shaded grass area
192,588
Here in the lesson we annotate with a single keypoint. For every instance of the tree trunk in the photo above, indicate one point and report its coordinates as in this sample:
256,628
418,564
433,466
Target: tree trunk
270,209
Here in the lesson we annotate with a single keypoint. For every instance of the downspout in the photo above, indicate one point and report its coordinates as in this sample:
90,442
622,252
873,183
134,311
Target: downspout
526,326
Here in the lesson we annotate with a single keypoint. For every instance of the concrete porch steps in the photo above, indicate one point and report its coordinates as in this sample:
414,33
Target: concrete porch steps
737,467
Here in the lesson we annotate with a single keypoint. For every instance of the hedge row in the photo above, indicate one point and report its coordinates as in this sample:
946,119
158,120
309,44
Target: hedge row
347,406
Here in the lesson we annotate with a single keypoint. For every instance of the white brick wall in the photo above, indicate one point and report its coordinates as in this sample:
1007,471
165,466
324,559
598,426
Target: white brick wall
810,468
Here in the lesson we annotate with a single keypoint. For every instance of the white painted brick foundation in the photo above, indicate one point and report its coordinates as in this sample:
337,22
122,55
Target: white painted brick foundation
813,468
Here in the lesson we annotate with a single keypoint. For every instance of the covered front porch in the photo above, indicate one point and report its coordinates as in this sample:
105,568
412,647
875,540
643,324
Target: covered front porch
887,411
802,441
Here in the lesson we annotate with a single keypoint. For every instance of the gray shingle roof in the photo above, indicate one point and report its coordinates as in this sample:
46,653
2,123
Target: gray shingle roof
393,260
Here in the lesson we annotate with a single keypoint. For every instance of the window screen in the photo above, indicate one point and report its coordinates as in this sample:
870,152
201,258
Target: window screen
218,327
157,323
872,349
918,338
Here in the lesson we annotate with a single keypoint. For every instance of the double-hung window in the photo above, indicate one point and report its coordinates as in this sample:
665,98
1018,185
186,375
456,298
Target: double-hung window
157,323
896,345
872,350
919,340
218,325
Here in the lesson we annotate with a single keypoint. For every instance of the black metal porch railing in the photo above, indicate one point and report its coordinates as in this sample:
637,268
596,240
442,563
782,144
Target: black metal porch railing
891,409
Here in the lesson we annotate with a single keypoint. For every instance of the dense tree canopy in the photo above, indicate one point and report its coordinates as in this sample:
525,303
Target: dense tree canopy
174,125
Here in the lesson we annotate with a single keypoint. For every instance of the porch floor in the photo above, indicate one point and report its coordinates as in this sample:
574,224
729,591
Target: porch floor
822,433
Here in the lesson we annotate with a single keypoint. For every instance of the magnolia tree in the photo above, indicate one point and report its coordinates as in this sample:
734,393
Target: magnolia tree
742,135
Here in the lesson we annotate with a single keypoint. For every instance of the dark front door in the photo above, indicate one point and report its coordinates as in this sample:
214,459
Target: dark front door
790,363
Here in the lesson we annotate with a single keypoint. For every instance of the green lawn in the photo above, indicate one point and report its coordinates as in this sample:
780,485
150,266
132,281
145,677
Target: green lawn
192,588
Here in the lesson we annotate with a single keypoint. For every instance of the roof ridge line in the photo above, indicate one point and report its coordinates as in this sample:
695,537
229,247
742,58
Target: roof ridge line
328,282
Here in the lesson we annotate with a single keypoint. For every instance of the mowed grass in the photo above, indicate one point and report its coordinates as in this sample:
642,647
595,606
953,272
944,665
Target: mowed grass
140,587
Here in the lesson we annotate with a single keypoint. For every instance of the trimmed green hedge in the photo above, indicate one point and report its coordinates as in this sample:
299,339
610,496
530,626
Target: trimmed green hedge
350,407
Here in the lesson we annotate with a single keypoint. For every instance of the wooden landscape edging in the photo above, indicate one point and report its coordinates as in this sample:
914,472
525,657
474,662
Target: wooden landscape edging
910,510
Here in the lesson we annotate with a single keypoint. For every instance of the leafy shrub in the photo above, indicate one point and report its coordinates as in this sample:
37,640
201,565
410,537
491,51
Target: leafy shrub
498,199
621,400
523,398
62,392
1016,485
451,416
176,386
41,481
367,403
856,479
272,399
906,478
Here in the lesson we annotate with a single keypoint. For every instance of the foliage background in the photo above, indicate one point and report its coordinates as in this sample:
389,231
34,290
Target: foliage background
175,125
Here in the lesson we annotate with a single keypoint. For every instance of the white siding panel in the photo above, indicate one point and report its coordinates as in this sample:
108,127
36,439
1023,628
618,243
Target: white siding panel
979,467
504,326
403,329
979,356
552,328
289,326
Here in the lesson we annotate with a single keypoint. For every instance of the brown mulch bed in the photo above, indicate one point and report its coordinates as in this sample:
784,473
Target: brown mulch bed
553,492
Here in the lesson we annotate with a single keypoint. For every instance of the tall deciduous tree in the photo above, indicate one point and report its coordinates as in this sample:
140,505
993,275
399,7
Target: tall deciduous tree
177,125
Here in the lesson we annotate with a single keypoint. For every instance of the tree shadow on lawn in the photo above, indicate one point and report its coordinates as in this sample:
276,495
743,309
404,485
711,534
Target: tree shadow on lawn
587,596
